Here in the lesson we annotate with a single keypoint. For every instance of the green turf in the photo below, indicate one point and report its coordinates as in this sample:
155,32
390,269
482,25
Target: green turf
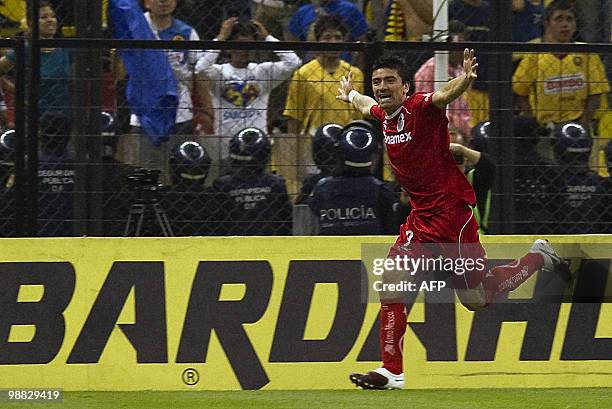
596,398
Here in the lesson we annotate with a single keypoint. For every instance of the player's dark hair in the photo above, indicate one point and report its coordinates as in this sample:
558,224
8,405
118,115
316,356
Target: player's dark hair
394,62
327,22
557,5
243,28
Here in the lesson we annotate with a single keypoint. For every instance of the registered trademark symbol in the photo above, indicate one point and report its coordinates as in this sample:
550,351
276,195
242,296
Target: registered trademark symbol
190,376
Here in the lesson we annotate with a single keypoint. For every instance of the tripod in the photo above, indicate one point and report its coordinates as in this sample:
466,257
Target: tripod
139,210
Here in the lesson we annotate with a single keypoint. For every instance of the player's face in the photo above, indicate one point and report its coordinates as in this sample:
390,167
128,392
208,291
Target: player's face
561,26
161,7
389,90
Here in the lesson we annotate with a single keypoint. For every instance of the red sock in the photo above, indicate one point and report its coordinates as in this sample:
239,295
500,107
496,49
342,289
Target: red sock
392,329
502,279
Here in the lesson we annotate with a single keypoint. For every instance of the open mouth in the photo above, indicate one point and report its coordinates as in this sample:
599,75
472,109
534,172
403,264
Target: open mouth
382,98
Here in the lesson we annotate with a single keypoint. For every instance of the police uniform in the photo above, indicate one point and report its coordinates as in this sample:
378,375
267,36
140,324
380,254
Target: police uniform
358,205
256,204
56,176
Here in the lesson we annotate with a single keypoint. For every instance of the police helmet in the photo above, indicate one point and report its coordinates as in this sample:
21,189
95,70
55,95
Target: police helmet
7,147
362,123
572,142
480,136
251,146
356,147
323,144
190,161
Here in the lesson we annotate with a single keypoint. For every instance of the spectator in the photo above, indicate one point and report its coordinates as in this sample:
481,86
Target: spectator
351,18
251,200
311,99
301,25
323,155
12,16
557,88
190,205
241,88
399,20
526,20
475,14
208,15
579,203
458,111
137,149
355,202
275,15
55,69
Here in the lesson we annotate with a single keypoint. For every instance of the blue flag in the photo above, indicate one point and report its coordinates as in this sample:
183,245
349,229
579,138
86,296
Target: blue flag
152,88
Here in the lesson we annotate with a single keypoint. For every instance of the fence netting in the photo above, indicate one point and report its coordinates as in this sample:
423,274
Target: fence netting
243,154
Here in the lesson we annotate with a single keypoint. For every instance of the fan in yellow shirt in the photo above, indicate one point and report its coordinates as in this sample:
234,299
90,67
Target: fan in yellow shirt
559,88
311,99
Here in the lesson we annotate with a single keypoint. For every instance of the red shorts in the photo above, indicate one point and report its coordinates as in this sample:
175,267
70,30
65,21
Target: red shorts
452,234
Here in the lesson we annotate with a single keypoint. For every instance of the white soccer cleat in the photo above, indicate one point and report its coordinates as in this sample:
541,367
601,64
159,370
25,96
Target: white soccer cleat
379,378
552,261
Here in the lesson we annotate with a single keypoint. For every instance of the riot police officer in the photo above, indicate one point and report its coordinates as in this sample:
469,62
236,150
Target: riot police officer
251,200
579,203
323,155
190,205
354,202
56,176
534,180
7,181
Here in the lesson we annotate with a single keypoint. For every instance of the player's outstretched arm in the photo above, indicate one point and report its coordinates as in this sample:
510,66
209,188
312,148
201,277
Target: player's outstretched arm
457,86
346,93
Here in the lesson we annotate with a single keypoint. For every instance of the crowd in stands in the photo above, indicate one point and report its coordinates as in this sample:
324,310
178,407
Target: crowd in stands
261,146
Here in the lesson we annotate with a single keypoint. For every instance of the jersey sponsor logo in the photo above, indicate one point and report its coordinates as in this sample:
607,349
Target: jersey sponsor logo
564,83
399,138
348,213
240,93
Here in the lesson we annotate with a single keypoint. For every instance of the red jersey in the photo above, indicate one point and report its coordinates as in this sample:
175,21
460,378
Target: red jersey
417,141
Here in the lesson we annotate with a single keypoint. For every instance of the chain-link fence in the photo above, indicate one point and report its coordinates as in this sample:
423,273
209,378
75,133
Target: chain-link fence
237,158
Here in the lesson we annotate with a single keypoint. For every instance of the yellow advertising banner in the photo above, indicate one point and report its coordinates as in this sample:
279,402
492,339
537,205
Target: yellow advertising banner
275,313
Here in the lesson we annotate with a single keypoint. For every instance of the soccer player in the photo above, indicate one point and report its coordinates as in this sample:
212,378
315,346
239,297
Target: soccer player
415,130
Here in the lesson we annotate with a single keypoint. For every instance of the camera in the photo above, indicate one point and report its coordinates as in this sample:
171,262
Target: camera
144,179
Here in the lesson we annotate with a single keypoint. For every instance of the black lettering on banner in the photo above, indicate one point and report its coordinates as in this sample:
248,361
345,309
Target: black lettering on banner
580,342
148,334
206,313
46,315
437,333
289,344
540,312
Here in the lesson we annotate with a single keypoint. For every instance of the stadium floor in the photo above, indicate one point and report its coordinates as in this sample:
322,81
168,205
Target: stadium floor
597,398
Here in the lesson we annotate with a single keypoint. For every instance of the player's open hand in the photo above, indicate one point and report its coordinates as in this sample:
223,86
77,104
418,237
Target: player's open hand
346,86
469,64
